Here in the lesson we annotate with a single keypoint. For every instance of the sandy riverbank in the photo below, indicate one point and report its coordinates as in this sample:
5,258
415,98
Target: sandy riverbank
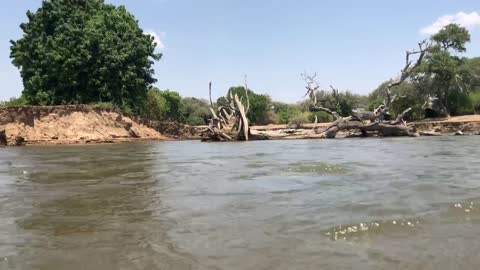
82,124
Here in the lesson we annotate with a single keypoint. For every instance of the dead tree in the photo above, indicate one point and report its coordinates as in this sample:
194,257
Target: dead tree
229,121
405,73
369,123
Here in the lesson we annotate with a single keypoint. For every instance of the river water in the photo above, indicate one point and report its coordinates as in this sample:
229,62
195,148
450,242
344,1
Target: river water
406,203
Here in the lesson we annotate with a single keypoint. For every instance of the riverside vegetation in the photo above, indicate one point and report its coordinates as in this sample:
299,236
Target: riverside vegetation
64,41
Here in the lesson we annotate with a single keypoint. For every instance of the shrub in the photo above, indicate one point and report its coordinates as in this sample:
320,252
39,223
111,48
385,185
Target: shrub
475,101
298,120
14,102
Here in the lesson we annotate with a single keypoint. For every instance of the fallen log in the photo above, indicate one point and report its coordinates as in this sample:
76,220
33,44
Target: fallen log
376,123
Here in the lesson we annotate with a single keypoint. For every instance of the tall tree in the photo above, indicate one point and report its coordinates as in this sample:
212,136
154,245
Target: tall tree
441,65
84,51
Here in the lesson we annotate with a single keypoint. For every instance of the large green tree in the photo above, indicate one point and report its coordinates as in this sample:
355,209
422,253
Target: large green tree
443,77
84,51
442,65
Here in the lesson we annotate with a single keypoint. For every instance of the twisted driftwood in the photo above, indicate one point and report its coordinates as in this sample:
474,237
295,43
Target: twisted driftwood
368,123
229,122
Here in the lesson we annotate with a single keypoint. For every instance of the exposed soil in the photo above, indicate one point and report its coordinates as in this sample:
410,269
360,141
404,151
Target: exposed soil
75,124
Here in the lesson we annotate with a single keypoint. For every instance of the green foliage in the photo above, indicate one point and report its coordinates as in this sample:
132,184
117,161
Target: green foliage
104,106
460,103
174,106
377,96
343,104
84,52
155,106
196,111
475,101
442,76
195,121
164,106
259,104
441,67
298,120
452,36
469,72
286,112
322,117
272,118
408,95
14,102
348,103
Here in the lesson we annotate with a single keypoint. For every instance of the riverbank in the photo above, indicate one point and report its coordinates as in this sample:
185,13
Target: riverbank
83,124
459,125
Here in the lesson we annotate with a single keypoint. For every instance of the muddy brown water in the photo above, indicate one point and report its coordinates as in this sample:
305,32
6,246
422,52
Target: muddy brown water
331,204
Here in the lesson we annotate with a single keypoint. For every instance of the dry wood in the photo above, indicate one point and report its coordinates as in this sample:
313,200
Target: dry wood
229,122
357,121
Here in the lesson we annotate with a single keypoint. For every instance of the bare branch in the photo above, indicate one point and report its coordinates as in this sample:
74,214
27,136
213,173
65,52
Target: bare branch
210,93
406,72
315,108
336,96
400,117
246,94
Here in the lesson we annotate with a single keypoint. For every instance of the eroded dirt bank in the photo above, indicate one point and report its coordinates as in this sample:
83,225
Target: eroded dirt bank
77,124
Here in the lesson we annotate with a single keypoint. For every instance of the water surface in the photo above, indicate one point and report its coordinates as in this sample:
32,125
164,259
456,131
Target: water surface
313,204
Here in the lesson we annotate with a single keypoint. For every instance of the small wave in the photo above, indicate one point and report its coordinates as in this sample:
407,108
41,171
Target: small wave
469,211
262,154
316,168
466,207
369,229
254,175
255,165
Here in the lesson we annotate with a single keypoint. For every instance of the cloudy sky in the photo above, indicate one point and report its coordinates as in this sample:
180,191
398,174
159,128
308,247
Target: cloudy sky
351,44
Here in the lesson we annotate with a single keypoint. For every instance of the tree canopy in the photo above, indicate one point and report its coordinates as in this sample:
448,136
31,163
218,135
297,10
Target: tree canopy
84,51
441,66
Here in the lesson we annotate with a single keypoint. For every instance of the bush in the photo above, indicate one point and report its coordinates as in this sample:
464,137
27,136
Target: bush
104,106
298,120
475,101
271,118
322,117
155,105
196,111
195,121
460,103
14,102
285,111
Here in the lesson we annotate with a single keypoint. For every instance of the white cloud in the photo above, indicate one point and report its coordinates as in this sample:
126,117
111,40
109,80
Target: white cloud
467,20
157,38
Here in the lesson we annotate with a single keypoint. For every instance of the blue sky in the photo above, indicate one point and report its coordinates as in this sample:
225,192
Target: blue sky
352,45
